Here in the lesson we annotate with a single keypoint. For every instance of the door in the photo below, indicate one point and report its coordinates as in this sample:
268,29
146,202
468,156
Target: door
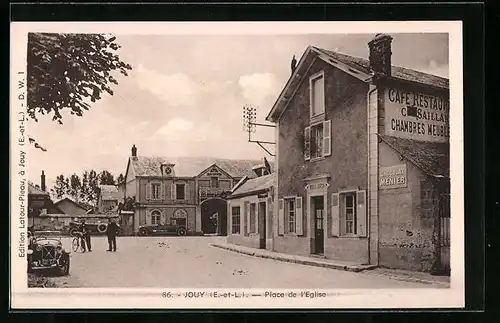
262,225
318,211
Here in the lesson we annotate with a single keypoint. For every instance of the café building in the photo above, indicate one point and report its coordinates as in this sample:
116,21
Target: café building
362,165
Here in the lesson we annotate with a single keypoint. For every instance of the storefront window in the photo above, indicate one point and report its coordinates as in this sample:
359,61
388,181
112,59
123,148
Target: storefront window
235,213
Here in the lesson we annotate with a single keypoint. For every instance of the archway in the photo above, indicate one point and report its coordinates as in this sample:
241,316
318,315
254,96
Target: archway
214,216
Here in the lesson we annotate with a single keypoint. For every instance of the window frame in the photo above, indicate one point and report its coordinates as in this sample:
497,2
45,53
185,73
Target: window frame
343,214
287,210
152,187
312,79
237,216
312,126
217,181
154,214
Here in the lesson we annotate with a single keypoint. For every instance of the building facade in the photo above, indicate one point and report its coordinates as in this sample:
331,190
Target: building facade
250,211
70,207
367,178
108,199
189,190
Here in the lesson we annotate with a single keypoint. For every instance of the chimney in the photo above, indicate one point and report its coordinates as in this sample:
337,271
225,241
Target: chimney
134,151
293,64
380,54
42,181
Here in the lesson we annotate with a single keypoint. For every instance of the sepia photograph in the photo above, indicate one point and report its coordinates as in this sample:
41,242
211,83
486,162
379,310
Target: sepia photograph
237,163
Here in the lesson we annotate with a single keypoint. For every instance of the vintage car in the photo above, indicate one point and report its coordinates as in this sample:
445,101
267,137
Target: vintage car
94,228
175,227
46,252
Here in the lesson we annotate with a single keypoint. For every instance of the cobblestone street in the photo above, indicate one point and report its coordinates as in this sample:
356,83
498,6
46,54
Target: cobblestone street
190,262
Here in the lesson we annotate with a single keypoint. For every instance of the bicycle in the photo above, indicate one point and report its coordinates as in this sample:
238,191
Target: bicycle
76,243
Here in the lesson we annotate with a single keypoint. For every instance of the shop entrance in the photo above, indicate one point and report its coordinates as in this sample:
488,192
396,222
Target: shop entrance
262,225
317,208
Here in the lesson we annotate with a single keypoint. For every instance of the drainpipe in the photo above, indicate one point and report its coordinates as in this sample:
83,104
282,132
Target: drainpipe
370,91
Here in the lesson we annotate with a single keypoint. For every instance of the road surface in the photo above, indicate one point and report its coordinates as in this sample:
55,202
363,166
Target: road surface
190,262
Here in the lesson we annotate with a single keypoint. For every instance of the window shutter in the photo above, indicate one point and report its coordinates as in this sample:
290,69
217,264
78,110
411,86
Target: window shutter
361,213
257,215
162,217
327,138
186,191
307,143
148,191
162,192
248,219
299,221
173,191
148,217
230,220
245,217
168,191
281,215
335,215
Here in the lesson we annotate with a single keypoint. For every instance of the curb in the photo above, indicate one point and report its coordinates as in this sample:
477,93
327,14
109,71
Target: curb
297,261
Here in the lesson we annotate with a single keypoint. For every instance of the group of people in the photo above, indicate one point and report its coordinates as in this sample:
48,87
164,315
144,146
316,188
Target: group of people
111,232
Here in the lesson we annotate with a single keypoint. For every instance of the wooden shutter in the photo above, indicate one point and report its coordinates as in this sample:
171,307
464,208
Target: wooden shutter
162,217
186,192
249,218
244,221
230,219
281,217
299,216
148,190
335,225
307,143
168,191
148,216
172,190
162,191
327,138
361,213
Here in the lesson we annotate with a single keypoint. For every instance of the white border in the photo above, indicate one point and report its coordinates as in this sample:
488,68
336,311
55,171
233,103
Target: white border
453,297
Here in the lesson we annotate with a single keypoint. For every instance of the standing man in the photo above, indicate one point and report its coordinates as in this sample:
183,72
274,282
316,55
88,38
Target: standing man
111,232
86,243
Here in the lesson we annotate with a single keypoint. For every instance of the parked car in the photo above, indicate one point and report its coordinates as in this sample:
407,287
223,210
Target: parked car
94,228
176,226
46,252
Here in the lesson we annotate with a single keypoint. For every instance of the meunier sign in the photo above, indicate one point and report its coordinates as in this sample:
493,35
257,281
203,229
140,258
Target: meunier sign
392,177
417,116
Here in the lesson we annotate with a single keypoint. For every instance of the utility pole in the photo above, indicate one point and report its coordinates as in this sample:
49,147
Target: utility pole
250,126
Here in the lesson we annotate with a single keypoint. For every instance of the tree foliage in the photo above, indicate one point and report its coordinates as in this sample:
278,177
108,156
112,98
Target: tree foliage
69,71
83,188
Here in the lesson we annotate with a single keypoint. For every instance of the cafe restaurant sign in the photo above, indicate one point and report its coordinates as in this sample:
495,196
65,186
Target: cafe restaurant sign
392,177
417,116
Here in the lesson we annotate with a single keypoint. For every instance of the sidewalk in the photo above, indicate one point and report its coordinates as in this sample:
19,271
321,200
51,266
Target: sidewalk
402,275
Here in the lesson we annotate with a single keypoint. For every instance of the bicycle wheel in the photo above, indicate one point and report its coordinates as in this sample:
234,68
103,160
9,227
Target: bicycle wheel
76,244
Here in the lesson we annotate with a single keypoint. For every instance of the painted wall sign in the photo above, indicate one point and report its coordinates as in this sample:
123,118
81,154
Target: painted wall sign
392,177
418,116
316,186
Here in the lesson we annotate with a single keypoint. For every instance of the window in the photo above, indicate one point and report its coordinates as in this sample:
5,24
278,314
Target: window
235,213
252,218
155,217
317,86
349,213
214,182
317,141
180,191
155,191
290,215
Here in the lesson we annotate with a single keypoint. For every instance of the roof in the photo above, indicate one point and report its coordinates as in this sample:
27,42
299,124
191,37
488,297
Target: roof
33,190
397,72
192,166
109,193
432,158
71,201
355,66
255,185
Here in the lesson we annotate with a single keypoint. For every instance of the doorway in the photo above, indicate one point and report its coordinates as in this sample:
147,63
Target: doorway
214,216
262,225
317,208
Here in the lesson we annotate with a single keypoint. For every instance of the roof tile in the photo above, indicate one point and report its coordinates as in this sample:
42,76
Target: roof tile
256,184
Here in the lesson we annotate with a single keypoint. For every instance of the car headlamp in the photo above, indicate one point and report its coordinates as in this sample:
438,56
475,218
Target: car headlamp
30,252
38,248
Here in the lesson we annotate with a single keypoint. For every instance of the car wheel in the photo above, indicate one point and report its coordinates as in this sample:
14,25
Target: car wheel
181,232
143,232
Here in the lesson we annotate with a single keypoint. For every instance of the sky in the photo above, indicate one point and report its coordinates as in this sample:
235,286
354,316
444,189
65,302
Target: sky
185,95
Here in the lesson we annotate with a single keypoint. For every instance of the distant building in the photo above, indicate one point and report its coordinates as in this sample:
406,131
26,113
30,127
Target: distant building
250,212
70,207
39,202
367,179
188,189
109,198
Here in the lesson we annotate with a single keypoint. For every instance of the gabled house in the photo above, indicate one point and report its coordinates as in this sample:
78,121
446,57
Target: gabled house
363,161
189,190
70,207
108,199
